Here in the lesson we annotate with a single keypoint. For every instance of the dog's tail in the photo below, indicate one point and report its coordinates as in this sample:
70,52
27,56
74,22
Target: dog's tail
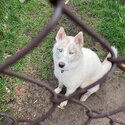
107,64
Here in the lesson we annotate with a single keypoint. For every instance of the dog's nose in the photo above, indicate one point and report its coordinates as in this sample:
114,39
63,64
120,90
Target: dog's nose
61,64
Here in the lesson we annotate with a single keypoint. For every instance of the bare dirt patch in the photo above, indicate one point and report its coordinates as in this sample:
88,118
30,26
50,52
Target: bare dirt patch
109,97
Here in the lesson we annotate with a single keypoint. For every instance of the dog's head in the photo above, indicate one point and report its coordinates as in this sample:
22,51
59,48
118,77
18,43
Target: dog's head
67,50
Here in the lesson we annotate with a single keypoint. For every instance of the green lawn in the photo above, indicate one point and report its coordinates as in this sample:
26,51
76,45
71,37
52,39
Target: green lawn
19,23
108,17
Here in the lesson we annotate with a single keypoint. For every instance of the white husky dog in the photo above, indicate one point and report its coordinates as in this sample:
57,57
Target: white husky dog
75,66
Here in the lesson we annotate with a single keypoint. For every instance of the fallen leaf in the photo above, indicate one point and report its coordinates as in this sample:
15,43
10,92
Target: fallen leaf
7,90
123,65
6,55
35,101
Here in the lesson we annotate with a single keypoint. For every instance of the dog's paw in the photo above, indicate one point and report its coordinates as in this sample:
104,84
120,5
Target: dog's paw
84,97
62,104
58,90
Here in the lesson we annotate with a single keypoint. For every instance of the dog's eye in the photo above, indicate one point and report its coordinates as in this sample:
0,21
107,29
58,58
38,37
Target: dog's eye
71,53
60,50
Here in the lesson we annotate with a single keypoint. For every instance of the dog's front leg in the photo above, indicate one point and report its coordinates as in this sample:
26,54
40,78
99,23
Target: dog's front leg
59,88
89,92
68,92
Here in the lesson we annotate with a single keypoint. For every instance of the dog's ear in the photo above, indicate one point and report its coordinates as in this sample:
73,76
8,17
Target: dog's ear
60,34
79,39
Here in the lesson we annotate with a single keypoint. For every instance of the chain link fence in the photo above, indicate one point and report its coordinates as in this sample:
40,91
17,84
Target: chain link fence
56,99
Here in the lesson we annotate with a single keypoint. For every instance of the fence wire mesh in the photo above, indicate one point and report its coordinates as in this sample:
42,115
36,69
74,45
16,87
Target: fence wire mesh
56,99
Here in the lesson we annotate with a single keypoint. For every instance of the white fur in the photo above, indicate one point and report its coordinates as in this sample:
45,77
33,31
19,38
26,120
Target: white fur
80,73
89,66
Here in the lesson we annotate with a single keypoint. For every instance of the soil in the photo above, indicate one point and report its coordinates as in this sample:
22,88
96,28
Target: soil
31,101
36,102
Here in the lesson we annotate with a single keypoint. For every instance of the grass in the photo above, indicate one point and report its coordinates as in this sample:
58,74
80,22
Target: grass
109,19
19,23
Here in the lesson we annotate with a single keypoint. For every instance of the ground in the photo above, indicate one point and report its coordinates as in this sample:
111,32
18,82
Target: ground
30,101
